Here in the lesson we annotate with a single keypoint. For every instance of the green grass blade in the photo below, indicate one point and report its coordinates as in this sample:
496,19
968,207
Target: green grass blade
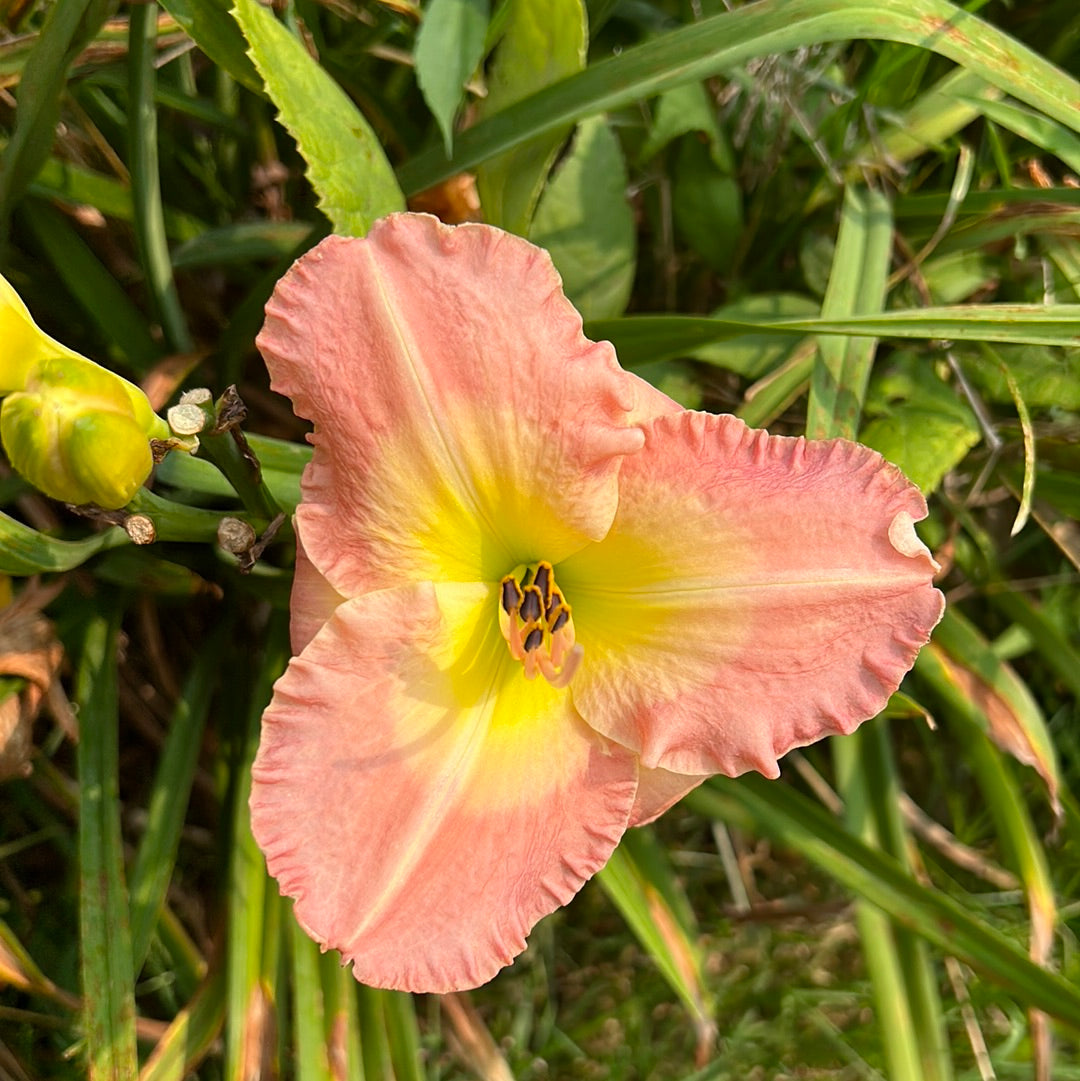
1025,852
67,28
1045,133
717,44
156,856
403,1032
98,293
789,818
856,286
1007,805
769,397
346,163
242,242
145,182
905,988
105,933
342,1018
641,884
641,339
70,183
1010,715
190,1034
252,896
312,1063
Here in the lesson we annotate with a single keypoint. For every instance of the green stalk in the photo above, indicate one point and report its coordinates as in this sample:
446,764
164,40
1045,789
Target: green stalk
156,857
145,181
105,933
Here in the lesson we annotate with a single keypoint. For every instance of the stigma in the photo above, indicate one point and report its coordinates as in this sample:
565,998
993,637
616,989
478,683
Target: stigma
536,621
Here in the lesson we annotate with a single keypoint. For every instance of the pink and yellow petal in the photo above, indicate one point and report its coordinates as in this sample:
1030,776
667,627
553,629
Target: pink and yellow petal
427,806
313,601
658,791
755,594
463,424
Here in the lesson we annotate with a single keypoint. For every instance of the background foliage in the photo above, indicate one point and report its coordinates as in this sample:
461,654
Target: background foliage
831,216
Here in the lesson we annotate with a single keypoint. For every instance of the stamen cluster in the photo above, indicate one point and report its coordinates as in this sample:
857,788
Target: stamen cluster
536,621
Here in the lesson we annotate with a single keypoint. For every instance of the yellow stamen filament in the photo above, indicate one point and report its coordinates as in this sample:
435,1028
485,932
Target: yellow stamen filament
536,621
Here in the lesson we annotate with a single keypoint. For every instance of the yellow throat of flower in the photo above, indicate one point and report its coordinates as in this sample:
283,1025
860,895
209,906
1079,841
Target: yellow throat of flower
536,621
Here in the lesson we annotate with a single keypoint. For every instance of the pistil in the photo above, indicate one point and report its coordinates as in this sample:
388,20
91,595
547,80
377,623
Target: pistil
536,621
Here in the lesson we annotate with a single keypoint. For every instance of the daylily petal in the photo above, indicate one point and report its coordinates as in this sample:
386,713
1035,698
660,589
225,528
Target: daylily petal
755,594
651,402
659,790
421,800
312,603
463,424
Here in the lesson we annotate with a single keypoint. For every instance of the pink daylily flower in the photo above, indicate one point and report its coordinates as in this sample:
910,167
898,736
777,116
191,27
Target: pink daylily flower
536,602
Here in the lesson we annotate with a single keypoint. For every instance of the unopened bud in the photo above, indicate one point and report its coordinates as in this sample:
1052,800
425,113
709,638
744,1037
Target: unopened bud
77,431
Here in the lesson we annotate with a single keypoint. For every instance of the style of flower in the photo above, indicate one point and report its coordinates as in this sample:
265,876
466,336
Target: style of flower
536,601
75,430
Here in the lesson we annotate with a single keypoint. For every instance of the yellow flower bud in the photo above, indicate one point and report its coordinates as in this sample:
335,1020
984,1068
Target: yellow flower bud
77,431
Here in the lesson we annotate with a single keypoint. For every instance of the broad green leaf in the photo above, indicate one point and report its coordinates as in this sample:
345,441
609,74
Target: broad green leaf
1044,377
706,200
545,40
711,46
448,48
67,28
108,982
919,423
953,278
585,222
683,110
707,204
346,164
207,23
923,442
